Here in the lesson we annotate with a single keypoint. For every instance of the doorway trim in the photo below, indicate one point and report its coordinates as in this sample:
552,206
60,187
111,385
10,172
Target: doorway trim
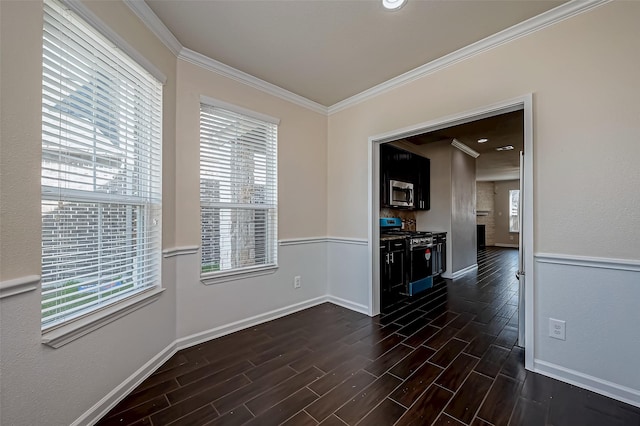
524,103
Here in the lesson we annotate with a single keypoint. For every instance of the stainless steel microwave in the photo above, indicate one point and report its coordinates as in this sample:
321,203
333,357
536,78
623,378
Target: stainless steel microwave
400,194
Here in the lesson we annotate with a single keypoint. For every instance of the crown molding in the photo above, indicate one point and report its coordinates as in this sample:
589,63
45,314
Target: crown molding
157,27
464,148
553,16
242,77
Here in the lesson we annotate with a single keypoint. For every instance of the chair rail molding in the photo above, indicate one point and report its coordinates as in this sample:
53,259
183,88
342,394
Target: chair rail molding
20,285
180,251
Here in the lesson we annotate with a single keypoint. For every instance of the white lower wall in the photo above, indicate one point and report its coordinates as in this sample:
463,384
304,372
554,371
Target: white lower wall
598,299
205,308
348,273
74,383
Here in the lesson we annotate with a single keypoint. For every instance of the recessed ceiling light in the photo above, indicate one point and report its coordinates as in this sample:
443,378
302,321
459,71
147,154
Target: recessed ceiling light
483,140
393,4
505,148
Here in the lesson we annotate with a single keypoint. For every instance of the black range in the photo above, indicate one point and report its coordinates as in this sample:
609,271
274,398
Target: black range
409,260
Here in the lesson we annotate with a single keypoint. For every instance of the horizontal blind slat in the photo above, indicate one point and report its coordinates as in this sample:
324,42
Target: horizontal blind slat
238,190
101,171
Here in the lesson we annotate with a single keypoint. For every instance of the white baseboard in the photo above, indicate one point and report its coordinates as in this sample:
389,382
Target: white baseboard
460,273
102,407
194,339
506,245
357,307
585,381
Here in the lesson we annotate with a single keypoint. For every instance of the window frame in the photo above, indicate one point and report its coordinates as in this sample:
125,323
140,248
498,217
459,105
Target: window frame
77,325
515,229
216,277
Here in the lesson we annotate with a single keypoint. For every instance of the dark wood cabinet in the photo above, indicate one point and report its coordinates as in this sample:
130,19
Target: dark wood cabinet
423,189
392,272
401,165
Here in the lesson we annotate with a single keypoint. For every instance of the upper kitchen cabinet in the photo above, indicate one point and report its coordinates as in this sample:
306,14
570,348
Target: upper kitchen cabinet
396,163
423,166
404,179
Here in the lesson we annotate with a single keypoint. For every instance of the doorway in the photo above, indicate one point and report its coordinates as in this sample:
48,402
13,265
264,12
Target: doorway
523,104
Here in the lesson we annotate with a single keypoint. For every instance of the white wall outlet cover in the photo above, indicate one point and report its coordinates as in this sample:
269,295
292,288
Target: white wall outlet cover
557,329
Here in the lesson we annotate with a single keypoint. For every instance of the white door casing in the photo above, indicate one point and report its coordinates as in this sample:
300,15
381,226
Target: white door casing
524,103
520,274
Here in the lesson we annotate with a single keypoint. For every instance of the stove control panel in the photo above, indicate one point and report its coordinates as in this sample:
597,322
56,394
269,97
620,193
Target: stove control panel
420,241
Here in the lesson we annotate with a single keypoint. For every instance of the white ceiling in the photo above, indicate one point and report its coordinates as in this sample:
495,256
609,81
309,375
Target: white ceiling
330,50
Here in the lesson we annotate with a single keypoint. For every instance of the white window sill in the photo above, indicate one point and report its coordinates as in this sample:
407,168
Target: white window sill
211,278
60,336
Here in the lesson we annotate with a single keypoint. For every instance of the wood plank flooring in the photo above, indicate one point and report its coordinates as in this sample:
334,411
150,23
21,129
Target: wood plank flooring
444,358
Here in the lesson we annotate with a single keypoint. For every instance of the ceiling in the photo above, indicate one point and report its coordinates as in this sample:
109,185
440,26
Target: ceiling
330,50
501,130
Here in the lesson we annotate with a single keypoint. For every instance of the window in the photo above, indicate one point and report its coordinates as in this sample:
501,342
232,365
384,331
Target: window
514,209
101,161
238,190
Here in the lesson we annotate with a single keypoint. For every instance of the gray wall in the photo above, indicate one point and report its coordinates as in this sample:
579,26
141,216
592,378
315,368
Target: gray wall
502,234
453,201
438,217
463,204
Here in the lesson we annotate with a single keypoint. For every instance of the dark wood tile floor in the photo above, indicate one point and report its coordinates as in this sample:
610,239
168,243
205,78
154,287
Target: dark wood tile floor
447,357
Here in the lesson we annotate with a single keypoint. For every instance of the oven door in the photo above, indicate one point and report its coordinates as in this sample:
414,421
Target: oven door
420,278
421,259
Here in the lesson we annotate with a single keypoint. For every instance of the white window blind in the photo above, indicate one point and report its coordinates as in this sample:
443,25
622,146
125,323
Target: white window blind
238,191
101,165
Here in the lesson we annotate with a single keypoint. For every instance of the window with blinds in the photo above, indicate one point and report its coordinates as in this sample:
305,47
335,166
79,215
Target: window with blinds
101,165
514,210
238,191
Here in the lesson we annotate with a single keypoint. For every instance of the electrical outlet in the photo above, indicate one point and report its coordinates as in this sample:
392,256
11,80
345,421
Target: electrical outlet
557,329
297,281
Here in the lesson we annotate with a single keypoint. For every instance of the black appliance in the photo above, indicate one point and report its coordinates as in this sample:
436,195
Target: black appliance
439,253
418,258
400,194
405,179
420,262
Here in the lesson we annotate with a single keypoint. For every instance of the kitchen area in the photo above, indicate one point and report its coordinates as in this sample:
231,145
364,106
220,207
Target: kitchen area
410,259
435,189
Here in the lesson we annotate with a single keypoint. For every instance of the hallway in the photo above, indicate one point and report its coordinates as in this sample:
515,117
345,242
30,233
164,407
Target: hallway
447,357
